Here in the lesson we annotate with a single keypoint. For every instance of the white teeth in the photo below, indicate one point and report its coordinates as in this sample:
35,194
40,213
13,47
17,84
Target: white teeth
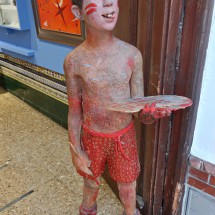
108,15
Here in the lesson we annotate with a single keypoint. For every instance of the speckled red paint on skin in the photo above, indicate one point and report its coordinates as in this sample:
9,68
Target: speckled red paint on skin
88,122
130,63
86,108
94,197
75,102
89,206
127,193
91,197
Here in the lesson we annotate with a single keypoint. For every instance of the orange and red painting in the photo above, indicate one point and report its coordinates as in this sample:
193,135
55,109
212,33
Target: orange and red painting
56,15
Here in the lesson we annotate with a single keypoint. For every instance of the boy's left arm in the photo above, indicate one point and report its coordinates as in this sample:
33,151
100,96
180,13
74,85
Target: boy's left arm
149,114
137,89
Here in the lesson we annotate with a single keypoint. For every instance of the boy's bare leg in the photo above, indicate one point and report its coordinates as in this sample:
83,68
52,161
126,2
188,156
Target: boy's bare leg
90,193
127,194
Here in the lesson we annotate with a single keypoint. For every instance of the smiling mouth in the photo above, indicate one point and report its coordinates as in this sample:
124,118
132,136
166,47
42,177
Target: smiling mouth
108,15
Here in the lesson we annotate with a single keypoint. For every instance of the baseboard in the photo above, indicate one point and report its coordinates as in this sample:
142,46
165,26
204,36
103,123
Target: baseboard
43,89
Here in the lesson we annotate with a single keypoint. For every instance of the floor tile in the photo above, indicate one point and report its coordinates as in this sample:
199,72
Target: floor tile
34,155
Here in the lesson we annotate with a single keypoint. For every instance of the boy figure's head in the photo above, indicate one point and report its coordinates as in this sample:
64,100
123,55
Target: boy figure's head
100,15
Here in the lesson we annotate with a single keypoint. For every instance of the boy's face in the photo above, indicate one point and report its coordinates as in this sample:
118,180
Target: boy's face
100,14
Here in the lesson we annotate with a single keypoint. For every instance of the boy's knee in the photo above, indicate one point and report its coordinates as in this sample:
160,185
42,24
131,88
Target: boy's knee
127,187
90,184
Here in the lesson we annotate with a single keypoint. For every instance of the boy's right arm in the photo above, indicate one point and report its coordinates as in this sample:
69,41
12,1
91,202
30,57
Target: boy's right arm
75,117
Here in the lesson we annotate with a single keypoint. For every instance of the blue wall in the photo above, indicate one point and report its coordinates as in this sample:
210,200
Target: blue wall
47,54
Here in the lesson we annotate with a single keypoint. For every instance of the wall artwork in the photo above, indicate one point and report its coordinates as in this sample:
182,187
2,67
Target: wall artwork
55,22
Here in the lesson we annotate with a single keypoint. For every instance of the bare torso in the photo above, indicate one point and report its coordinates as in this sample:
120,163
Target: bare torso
104,77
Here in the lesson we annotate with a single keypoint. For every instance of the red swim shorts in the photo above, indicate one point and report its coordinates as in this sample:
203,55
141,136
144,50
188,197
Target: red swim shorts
118,150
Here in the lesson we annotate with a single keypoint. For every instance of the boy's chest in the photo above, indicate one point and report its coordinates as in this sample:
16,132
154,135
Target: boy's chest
105,72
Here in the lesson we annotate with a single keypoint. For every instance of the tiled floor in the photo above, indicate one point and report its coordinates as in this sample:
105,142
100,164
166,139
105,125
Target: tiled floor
34,156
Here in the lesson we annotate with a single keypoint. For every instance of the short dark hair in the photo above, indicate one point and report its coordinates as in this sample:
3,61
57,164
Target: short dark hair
79,3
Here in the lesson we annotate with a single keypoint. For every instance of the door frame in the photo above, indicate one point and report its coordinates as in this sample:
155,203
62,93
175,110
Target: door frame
173,37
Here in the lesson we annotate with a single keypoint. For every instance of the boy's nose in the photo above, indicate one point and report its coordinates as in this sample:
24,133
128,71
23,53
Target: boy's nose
107,3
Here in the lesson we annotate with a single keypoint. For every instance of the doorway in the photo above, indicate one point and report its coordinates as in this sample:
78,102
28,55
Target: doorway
172,36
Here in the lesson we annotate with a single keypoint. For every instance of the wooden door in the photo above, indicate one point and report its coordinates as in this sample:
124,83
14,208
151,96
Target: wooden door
172,36
126,28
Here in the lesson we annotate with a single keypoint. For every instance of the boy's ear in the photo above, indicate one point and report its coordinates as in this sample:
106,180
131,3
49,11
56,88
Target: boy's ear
76,11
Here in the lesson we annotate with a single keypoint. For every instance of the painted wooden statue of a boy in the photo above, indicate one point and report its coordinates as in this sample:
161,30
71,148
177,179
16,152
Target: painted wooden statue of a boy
100,71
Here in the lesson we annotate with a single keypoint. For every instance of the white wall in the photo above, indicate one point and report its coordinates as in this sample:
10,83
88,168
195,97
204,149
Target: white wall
204,135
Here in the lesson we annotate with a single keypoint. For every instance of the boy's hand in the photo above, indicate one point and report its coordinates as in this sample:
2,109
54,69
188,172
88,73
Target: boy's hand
149,114
81,161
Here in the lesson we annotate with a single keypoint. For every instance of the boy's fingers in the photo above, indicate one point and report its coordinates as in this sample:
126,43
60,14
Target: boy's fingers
169,112
88,163
87,171
164,113
146,107
153,105
85,159
153,108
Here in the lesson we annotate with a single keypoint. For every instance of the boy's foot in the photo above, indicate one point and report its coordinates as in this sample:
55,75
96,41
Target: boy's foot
136,213
88,211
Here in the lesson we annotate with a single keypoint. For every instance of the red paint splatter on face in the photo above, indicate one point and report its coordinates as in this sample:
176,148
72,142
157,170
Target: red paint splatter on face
91,7
91,11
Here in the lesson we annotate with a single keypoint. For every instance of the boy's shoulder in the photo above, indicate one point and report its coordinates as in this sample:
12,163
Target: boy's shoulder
69,64
127,46
73,58
75,53
129,49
